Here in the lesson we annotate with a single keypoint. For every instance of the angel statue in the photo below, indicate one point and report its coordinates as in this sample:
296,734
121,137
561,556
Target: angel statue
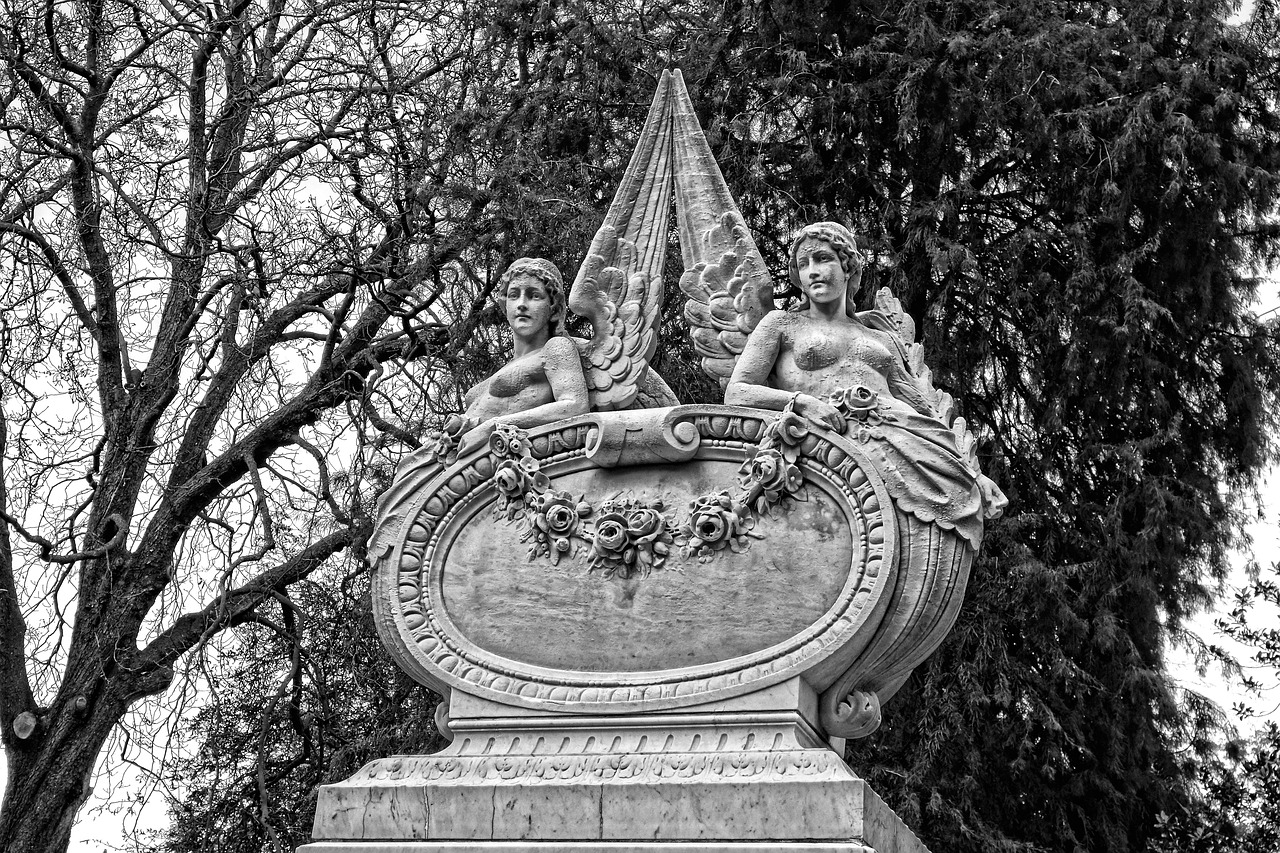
543,382
859,373
843,368
618,289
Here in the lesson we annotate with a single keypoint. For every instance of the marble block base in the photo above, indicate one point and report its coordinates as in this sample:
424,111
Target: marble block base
751,773
595,847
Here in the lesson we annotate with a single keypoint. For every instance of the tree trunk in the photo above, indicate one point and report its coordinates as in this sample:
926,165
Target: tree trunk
50,770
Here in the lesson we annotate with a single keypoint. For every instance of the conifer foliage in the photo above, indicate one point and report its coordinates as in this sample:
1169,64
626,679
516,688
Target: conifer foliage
1065,195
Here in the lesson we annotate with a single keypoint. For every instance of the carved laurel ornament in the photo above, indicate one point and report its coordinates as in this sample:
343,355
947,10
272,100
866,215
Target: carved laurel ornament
460,608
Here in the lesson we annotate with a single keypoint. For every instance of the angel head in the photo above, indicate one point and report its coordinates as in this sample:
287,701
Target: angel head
814,243
531,293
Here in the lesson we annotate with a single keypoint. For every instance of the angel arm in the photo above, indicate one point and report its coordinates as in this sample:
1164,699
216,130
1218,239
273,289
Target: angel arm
748,386
748,383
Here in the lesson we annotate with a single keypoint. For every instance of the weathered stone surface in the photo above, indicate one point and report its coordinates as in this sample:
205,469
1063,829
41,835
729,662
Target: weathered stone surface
749,769
598,847
689,612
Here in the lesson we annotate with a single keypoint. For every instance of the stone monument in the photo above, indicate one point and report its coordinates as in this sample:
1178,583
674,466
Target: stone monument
654,624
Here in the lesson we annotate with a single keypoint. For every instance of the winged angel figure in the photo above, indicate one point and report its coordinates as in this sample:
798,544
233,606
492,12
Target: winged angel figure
855,372
859,372
618,289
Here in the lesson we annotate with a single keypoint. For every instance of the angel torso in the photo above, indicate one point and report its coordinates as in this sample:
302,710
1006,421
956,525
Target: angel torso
518,385
816,357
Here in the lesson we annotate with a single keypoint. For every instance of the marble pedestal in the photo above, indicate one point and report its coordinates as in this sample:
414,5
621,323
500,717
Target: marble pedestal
750,773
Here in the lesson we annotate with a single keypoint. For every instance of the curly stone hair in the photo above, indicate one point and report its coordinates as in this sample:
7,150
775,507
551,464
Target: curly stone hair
846,249
545,272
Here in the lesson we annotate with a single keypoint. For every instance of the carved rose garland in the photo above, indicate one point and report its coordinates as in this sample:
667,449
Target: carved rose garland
516,474
556,525
631,536
769,477
627,536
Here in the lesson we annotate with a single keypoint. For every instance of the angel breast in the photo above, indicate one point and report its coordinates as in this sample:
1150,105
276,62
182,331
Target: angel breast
526,377
608,591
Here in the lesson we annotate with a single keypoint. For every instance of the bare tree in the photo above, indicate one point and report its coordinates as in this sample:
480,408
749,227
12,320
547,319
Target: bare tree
225,228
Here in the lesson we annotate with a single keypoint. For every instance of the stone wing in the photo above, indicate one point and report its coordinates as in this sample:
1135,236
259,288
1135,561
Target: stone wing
619,286
726,285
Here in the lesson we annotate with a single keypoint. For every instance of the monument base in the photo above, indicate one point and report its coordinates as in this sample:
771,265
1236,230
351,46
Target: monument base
599,847
750,773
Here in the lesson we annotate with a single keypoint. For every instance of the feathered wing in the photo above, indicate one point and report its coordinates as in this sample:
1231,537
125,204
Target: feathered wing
893,318
619,287
726,284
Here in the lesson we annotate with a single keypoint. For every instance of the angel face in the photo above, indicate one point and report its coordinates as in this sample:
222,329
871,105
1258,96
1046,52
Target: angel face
529,306
543,272
822,276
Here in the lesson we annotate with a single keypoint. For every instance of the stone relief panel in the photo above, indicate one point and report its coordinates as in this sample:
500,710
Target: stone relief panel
624,615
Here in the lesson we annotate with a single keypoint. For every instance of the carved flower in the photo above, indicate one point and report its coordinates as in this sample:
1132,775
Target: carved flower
510,478
644,523
508,441
538,481
769,476
715,522
611,535
554,523
791,428
859,402
712,526
561,514
768,470
498,445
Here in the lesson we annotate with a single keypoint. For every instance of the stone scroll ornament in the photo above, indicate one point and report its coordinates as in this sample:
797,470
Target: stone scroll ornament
646,556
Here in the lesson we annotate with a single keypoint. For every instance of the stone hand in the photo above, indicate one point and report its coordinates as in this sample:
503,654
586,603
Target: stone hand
822,414
476,436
